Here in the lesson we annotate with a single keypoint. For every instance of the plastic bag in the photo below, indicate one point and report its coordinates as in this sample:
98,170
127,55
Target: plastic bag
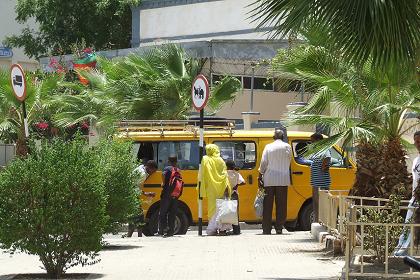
258,203
227,211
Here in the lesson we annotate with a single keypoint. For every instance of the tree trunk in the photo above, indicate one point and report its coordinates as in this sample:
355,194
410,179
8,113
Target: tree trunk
380,169
55,270
22,149
393,170
368,158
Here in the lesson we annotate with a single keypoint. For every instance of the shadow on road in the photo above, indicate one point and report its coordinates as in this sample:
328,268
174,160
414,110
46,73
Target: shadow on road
304,278
119,247
304,240
39,276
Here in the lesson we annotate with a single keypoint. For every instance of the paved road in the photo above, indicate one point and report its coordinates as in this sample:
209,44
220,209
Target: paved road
249,256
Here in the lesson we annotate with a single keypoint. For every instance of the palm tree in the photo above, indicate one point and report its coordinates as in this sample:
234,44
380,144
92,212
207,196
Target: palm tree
155,84
382,33
39,92
372,112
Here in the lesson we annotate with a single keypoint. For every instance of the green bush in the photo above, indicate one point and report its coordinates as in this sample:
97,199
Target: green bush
117,165
375,236
53,203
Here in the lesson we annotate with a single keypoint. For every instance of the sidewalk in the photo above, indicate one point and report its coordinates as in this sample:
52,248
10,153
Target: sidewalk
249,256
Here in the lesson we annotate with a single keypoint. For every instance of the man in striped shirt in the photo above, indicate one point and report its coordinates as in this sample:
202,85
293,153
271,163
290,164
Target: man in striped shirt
320,174
275,174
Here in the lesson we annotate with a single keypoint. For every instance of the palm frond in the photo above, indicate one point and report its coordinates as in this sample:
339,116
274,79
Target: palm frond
224,91
385,31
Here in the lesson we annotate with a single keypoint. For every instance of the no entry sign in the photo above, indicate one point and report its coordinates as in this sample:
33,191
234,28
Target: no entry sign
17,78
200,95
200,92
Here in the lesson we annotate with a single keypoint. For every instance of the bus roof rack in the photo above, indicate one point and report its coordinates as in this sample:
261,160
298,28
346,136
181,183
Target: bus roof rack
174,125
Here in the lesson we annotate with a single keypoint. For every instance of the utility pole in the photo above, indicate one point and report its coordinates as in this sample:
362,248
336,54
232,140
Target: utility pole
252,87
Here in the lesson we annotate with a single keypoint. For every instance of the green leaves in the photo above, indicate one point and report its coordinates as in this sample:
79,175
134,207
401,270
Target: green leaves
59,201
104,24
155,84
384,31
40,91
118,164
365,107
53,203
375,236
224,91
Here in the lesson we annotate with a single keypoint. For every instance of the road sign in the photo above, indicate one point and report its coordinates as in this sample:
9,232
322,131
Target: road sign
6,52
200,95
200,92
17,77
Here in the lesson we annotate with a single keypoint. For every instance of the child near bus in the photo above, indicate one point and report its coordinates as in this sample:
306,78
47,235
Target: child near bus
235,180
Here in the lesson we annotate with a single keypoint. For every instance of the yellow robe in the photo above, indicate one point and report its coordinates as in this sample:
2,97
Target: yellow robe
214,179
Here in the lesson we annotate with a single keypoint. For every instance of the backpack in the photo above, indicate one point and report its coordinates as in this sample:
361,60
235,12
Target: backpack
175,183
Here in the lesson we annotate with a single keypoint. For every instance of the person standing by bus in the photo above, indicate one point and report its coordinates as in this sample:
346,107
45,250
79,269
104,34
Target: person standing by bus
144,171
320,174
275,178
168,203
214,185
405,239
235,180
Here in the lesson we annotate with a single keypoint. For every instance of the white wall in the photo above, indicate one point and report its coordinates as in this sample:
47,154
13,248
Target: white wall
9,26
271,105
199,18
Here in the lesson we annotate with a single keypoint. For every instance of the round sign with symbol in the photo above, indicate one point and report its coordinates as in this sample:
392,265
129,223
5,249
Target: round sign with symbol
200,92
18,81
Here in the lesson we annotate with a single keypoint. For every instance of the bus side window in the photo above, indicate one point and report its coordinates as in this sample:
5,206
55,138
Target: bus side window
187,153
243,153
337,159
145,151
299,149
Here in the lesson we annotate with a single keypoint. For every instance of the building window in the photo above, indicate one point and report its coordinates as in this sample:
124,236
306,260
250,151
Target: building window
260,83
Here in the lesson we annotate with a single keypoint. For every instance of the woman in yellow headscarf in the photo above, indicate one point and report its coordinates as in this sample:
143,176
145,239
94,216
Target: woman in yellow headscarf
214,185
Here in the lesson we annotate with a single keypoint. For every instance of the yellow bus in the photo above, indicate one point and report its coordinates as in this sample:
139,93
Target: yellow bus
160,140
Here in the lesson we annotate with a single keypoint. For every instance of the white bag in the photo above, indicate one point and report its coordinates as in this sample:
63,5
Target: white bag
259,203
227,211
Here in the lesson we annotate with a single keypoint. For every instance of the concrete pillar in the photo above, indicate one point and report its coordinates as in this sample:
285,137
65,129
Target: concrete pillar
291,107
250,118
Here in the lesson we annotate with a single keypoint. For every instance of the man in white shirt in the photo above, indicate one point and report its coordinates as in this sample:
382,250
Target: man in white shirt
275,178
405,239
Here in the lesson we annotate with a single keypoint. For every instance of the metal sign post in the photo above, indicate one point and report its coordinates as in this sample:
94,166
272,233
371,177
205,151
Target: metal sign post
200,96
18,81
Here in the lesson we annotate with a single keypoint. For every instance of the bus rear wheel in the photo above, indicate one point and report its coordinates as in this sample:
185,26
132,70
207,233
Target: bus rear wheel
306,217
181,223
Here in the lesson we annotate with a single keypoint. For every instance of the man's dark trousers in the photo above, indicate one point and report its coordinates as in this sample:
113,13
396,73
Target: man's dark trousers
280,194
236,228
167,213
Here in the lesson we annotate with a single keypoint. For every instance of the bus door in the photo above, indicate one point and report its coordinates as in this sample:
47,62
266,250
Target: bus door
244,153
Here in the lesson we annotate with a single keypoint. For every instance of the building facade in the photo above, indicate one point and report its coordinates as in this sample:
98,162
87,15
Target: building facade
221,32
9,27
236,46
157,21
